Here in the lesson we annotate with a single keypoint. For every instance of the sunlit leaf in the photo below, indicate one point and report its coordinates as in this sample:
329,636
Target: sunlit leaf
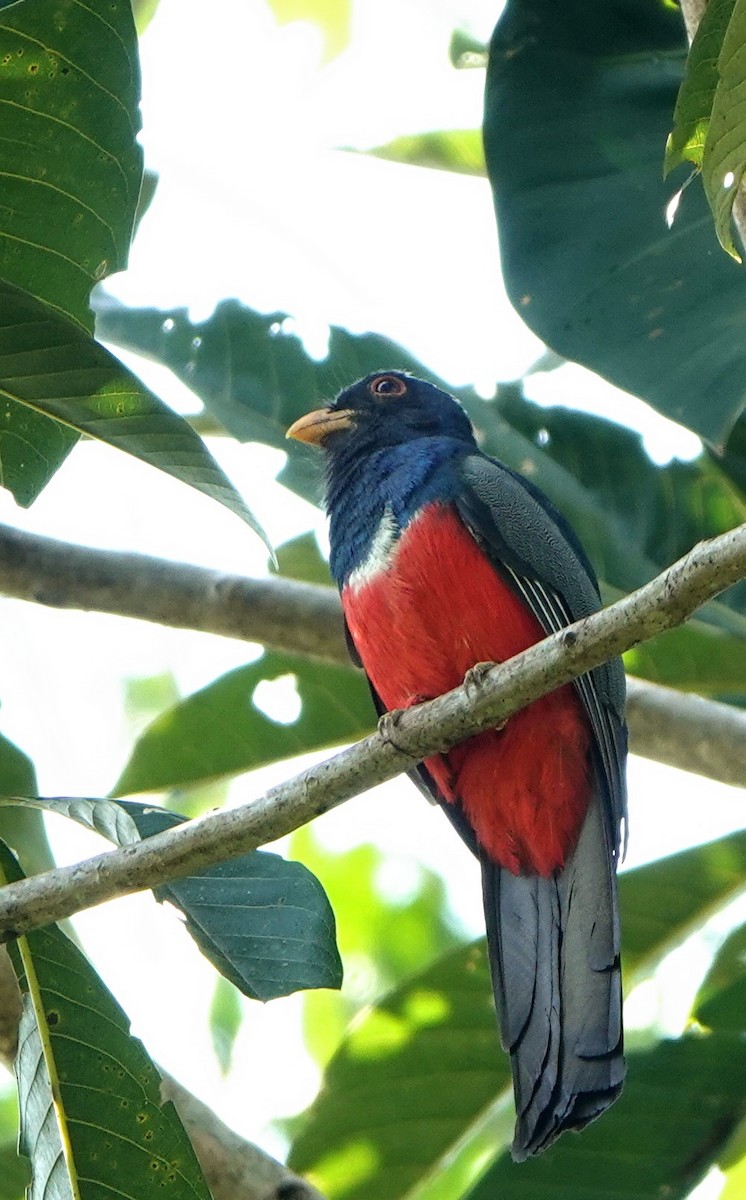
92,1118
457,150
332,17
724,157
419,1077
694,102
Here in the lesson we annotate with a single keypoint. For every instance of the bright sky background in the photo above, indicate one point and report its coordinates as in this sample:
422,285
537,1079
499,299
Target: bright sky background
242,122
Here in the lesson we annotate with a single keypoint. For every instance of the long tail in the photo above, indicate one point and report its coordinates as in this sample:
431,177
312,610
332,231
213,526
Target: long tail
554,956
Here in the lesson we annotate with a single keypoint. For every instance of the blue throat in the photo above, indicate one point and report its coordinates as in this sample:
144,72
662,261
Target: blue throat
363,483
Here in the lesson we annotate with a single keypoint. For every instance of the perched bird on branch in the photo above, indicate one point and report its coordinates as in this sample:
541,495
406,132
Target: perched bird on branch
445,559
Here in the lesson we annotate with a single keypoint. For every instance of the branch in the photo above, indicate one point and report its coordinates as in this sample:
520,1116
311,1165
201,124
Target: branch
484,700
296,617
305,619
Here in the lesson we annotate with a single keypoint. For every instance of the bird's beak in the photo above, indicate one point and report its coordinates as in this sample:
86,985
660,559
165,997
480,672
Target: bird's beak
317,425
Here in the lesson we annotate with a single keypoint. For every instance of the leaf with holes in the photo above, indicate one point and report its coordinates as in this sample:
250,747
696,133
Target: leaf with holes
220,730
92,1118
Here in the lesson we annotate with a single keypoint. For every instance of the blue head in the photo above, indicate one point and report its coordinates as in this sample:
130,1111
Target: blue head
391,444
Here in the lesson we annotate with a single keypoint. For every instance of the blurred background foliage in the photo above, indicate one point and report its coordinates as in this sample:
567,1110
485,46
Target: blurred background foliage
414,1102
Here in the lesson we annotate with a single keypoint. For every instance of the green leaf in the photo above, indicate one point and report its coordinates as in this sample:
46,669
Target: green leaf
50,366
459,150
263,923
71,167
578,105
423,1073
301,559
405,1083
220,730
680,1104
721,1000
691,117
724,157
333,18
92,1118
69,157
664,902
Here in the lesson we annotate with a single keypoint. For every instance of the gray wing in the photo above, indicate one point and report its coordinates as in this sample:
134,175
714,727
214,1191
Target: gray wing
529,542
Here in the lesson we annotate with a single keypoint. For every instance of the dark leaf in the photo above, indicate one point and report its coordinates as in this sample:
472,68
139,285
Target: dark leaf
264,923
587,257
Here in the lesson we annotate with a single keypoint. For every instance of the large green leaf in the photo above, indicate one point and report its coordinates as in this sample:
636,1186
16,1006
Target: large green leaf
93,1121
680,1104
423,1074
69,157
579,102
50,366
263,922
220,730
405,1084
71,167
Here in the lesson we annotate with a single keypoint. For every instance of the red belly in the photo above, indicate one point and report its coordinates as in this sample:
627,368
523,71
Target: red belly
418,627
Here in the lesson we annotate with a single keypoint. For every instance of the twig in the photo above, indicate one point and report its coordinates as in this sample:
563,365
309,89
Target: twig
402,741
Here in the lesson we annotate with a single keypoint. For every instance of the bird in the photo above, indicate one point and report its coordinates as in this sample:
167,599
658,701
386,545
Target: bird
446,558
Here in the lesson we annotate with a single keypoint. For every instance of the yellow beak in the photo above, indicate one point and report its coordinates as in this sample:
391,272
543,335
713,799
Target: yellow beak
317,425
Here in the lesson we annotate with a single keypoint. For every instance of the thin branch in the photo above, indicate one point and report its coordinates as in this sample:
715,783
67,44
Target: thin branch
704,737
404,739
296,617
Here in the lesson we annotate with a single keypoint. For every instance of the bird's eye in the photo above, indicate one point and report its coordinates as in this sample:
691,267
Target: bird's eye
387,385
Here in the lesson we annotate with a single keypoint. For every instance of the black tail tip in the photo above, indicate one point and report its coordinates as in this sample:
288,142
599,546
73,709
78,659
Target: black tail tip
574,1114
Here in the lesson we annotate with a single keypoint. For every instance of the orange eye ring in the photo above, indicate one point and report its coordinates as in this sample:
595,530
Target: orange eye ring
390,386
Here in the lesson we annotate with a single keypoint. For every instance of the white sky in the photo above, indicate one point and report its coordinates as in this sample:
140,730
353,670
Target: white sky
241,122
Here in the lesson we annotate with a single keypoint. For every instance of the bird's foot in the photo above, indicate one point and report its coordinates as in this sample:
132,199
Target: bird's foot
473,681
475,676
387,724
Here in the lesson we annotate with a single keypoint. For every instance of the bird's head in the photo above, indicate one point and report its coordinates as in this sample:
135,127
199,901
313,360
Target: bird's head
385,409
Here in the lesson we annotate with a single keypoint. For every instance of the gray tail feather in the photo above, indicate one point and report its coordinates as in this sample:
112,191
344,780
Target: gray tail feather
554,956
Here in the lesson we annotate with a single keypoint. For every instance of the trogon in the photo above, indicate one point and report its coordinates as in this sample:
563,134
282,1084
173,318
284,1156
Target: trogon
446,558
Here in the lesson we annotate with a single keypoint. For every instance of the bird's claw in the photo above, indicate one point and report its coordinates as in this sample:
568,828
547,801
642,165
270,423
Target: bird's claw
474,677
387,724
473,680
